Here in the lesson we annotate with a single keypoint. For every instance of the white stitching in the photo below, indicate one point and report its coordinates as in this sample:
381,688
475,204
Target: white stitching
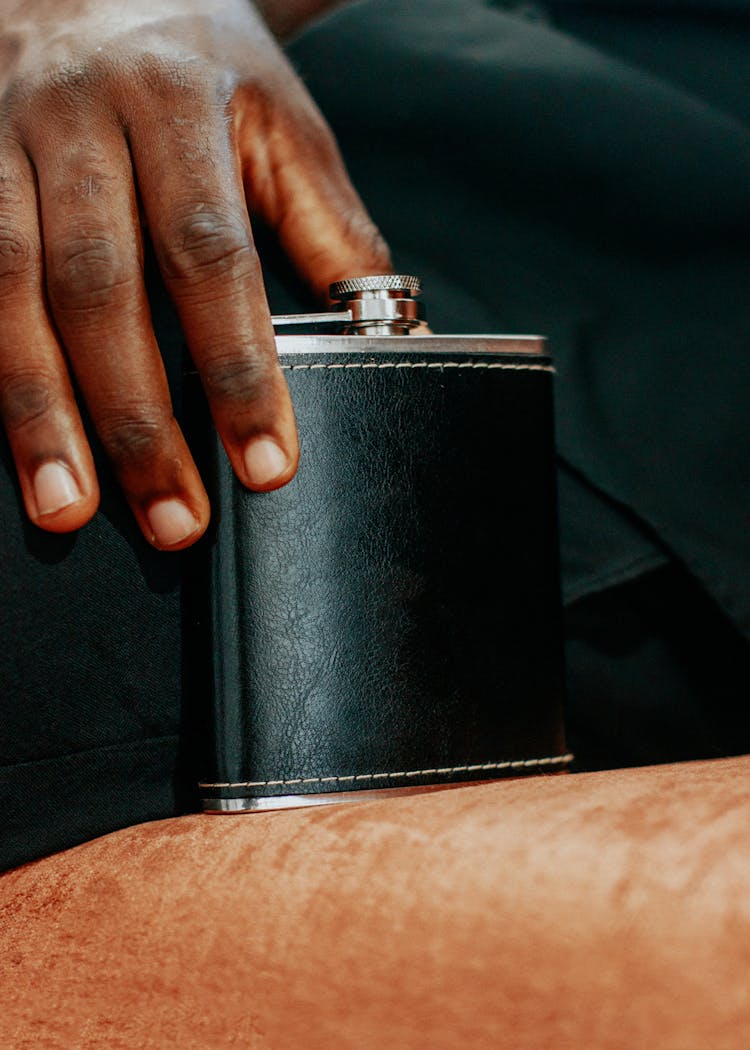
419,364
522,763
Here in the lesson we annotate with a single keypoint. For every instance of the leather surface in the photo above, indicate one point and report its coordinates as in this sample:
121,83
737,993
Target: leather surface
395,608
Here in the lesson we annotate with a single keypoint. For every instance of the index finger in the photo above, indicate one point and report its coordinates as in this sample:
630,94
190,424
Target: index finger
299,184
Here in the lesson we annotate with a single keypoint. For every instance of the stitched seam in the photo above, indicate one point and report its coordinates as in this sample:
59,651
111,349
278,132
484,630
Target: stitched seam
418,364
521,763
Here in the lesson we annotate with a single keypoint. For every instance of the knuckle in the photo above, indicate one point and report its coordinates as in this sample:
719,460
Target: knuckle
209,244
53,94
86,273
86,176
16,179
362,230
72,76
321,136
62,84
174,77
26,396
237,379
311,133
134,437
12,101
17,256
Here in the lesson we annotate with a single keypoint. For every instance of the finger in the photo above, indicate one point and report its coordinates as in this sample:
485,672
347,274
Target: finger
296,180
97,296
52,457
197,216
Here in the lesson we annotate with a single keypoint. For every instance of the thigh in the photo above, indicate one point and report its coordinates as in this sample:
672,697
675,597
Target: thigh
607,910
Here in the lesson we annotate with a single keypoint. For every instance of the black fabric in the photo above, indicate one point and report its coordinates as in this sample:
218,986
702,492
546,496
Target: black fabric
543,183
658,7
656,673
571,171
90,666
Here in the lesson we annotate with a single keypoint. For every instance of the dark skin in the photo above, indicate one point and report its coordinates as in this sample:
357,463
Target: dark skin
182,116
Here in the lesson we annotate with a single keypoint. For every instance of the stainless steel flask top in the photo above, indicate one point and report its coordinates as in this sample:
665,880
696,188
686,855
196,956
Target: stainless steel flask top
383,304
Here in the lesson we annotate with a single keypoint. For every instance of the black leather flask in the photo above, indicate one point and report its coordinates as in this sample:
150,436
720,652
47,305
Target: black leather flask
390,620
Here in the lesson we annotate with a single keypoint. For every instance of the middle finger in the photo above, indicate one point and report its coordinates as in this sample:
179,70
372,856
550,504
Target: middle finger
98,299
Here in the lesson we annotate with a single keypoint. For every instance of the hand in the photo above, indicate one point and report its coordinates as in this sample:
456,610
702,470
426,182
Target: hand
186,111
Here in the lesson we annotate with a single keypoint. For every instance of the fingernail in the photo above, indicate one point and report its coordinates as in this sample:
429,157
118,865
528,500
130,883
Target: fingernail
264,461
171,522
54,488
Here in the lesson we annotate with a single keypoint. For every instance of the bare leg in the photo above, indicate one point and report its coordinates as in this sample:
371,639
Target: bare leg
594,911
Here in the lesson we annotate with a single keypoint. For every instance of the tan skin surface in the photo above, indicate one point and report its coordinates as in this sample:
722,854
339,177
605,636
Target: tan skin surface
604,911
183,116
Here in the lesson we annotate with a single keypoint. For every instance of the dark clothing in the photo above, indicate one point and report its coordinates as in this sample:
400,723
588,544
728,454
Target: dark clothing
569,169
544,181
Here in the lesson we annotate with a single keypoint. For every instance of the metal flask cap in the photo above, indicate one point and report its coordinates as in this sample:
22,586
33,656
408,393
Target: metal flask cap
380,304
386,283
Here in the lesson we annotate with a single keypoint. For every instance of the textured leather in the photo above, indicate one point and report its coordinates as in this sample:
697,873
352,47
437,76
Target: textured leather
391,617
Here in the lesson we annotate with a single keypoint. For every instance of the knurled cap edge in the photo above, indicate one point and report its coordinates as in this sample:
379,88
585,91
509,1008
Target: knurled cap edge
388,282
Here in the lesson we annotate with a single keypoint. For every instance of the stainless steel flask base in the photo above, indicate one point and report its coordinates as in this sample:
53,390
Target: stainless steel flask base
264,805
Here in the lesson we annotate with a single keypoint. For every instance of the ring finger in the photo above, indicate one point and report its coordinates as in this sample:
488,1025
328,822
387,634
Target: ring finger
52,457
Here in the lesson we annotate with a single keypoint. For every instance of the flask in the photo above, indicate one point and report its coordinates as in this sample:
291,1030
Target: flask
390,620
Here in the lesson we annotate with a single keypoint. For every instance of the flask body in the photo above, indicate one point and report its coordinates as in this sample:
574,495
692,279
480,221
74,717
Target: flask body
390,620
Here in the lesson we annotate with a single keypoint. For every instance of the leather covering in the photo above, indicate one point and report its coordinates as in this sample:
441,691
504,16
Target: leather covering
392,617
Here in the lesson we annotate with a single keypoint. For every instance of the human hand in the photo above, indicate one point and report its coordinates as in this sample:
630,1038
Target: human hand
183,114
